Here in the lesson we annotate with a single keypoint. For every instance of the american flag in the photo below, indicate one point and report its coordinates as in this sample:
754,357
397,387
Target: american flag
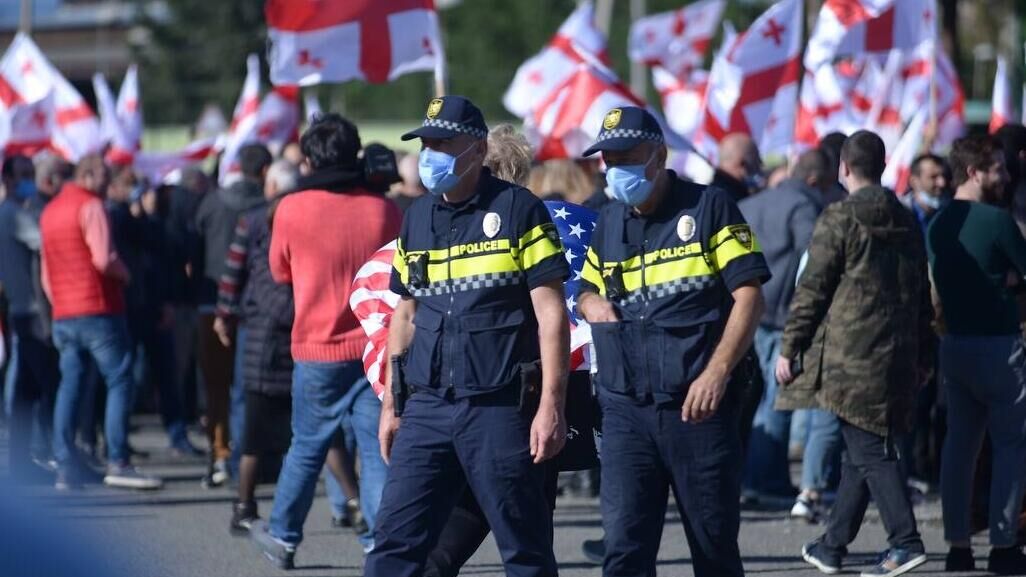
372,302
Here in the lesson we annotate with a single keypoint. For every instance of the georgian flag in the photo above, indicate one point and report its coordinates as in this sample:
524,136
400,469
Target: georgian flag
753,85
683,99
155,166
320,41
1002,110
849,27
899,164
128,111
678,40
373,303
577,41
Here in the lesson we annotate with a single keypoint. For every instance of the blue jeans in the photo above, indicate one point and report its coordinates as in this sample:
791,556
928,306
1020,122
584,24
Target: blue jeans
104,339
360,413
237,402
821,464
766,468
321,394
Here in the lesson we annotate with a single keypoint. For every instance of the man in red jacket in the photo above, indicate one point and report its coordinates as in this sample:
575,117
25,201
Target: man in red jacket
84,280
320,237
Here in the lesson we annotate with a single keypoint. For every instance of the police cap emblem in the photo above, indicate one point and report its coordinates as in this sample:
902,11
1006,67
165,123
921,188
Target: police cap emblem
686,227
434,107
491,225
612,119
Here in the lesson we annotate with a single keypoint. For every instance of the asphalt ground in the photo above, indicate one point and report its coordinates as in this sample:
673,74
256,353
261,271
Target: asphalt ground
182,530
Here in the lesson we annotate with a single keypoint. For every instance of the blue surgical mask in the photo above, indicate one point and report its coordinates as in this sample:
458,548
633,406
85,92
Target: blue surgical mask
931,202
438,170
628,184
25,189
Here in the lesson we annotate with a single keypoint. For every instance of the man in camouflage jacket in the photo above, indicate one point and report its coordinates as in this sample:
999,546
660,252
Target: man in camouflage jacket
859,329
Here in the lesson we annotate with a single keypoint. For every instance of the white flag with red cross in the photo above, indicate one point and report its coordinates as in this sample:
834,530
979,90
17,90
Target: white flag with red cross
243,121
899,162
76,128
26,129
319,41
683,99
128,111
1002,110
157,165
826,102
948,102
578,40
753,86
274,124
850,27
678,40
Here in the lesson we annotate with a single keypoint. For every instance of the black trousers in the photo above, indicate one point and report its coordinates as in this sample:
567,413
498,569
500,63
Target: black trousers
467,529
35,386
871,468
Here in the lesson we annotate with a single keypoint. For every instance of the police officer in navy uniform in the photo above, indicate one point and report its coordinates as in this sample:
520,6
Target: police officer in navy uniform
671,287
480,270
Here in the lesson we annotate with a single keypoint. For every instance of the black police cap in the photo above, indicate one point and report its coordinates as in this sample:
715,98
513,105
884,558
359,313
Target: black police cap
624,128
449,116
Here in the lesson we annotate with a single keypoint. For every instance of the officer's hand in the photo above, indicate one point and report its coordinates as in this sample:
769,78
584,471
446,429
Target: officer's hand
783,371
388,425
597,309
704,396
548,433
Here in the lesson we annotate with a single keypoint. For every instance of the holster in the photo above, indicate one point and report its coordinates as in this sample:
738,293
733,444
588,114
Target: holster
400,390
530,386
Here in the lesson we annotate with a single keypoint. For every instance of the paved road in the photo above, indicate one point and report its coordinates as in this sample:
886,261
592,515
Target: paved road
181,531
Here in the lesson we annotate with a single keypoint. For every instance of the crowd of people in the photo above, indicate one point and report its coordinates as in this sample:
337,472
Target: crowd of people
799,312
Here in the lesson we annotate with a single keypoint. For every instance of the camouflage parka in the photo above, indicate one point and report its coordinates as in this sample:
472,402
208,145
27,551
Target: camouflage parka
860,317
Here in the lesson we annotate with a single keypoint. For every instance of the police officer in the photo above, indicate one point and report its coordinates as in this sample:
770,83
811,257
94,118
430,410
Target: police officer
671,287
480,270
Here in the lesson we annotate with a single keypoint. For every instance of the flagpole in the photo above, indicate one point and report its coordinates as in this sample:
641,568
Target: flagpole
604,15
25,22
638,85
441,69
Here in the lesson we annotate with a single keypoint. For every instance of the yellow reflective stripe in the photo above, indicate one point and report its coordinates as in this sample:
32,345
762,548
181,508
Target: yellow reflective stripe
471,266
725,246
669,271
590,271
457,251
399,262
535,246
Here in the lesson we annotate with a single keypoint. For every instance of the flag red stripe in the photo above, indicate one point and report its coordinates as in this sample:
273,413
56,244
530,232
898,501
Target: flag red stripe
880,32
375,46
8,95
66,116
308,15
760,86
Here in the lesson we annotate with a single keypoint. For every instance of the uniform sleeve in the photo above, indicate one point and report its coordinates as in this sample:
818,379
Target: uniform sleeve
400,272
817,284
733,250
539,251
278,258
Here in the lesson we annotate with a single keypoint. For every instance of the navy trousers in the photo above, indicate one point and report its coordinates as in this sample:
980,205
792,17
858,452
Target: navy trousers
646,451
444,445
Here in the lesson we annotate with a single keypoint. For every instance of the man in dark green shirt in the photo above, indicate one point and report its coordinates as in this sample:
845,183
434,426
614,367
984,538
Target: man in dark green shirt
977,255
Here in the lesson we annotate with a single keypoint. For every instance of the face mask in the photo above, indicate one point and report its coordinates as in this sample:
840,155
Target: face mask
438,170
931,202
25,189
628,183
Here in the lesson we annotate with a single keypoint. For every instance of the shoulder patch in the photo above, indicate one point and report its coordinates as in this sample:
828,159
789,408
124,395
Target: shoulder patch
612,119
491,224
552,233
743,234
686,227
434,107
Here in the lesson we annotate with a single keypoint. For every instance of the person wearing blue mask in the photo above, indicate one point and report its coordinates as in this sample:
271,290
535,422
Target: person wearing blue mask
672,290
482,343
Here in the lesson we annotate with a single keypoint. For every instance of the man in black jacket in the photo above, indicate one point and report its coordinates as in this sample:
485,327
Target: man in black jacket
216,219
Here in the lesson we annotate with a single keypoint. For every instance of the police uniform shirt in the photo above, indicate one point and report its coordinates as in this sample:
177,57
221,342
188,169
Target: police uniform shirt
669,276
471,268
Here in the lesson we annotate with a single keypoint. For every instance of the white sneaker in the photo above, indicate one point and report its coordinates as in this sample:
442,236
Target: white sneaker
128,477
804,508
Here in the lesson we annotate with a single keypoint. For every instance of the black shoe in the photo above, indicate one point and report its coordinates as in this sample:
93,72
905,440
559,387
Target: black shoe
594,551
281,554
342,522
814,555
244,514
355,516
959,559
1007,561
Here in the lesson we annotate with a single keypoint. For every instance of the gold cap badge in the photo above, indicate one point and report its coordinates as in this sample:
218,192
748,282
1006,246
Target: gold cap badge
434,108
612,119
